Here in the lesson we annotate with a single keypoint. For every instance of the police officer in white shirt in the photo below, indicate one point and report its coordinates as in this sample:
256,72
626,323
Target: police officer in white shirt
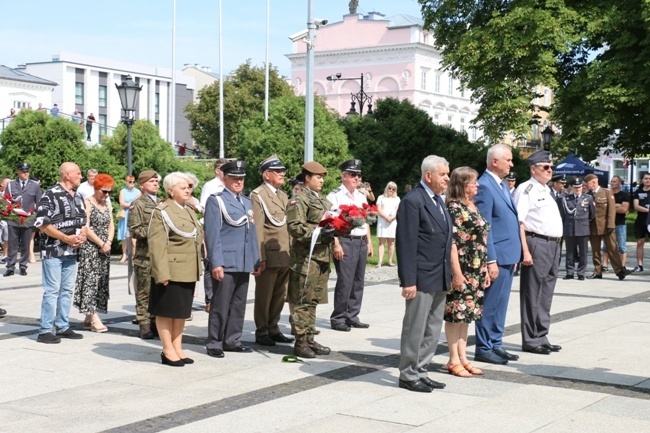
350,253
541,233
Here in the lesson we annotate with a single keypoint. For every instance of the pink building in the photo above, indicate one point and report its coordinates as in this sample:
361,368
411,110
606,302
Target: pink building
397,59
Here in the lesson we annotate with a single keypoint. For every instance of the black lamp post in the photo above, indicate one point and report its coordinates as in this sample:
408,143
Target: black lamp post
361,98
547,136
128,92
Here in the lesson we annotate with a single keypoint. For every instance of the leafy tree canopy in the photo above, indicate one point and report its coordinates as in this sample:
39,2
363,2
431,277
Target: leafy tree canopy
592,54
284,134
243,93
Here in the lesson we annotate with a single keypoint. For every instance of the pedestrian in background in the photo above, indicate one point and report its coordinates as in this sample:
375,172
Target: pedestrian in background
387,205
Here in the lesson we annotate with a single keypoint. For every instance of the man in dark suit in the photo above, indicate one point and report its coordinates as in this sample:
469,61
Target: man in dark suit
28,193
423,246
233,252
504,252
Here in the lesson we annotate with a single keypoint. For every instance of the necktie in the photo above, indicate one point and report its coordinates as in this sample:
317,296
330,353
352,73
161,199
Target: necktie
438,201
505,191
238,198
22,184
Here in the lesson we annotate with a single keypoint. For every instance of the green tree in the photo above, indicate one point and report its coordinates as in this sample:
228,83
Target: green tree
243,93
592,54
44,142
284,134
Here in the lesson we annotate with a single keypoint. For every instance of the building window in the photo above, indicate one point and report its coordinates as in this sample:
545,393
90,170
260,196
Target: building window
436,118
474,134
535,131
79,93
450,121
19,105
462,124
102,96
547,98
157,103
157,123
102,123
438,78
423,81
451,85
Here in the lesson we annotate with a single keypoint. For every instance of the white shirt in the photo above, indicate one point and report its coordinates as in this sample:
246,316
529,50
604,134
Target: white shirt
340,196
211,187
537,209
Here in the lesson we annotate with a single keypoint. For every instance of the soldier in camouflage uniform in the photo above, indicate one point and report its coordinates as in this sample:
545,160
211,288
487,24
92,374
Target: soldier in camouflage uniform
308,278
139,218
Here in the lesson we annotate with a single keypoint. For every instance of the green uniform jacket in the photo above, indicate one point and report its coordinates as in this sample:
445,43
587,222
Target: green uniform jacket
139,218
304,212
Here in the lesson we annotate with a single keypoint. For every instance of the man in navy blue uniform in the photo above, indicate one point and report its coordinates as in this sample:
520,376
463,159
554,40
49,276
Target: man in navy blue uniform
233,253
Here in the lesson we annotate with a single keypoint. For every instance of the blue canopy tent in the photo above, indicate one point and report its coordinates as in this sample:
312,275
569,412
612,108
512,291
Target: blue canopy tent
572,166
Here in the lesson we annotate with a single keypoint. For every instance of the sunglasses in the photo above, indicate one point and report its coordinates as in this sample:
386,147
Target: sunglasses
130,181
106,192
191,185
546,167
353,174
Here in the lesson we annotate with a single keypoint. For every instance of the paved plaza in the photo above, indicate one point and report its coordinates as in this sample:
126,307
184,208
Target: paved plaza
114,382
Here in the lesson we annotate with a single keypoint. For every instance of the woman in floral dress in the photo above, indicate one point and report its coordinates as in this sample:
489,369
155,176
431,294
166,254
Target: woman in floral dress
91,291
468,268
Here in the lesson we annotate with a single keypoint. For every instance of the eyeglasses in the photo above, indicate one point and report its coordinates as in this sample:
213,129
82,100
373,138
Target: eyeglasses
278,171
106,192
353,174
130,181
546,167
191,185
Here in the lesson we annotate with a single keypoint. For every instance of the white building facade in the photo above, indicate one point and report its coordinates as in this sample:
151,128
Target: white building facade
20,90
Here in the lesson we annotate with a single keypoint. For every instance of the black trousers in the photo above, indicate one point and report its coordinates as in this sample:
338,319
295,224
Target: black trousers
19,237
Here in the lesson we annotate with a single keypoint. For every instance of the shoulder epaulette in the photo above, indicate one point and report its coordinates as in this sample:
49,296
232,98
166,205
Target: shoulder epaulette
336,190
528,188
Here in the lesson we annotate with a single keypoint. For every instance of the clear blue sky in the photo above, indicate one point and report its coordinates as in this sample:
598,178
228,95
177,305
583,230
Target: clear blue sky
139,31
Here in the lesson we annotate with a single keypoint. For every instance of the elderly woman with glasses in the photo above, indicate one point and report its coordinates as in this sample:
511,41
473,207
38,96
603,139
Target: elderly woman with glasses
387,205
91,291
127,195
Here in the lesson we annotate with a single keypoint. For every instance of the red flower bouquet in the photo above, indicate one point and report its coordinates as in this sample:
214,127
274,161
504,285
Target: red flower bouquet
349,217
10,210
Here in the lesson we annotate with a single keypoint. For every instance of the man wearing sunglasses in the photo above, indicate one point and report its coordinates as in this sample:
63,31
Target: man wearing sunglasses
541,233
350,253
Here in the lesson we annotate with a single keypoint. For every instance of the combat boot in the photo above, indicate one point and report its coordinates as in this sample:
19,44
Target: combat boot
302,349
317,348
145,332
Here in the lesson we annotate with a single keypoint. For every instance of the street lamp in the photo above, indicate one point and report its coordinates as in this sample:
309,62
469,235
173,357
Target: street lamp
128,92
361,98
547,136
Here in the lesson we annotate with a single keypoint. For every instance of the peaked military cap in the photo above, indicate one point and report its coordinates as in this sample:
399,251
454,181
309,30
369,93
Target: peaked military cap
511,176
351,165
539,157
559,178
271,163
23,166
577,182
234,168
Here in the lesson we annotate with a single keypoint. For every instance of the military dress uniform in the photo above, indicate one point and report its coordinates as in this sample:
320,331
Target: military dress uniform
540,218
231,242
269,210
139,218
603,228
577,211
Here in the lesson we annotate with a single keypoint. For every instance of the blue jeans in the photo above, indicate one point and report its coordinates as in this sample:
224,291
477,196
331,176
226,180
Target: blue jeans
621,239
59,276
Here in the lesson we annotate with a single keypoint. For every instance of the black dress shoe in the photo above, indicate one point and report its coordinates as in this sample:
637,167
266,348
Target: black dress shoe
240,349
215,353
539,350
167,361
432,383
595,277
581,277
621,275
552,347
340,327
506,355
3,313
187,360
23,272
491,358
265,340
568,277
281,338
359,325
415,385
9,273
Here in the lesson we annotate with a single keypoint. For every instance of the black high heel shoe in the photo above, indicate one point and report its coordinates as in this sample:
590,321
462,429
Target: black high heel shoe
167,361
187,360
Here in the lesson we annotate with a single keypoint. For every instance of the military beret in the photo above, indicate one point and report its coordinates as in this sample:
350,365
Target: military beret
577,182
351,165
539,157
271,163
314,168
23,166
590,176
559,178
146,175
234,168
511,176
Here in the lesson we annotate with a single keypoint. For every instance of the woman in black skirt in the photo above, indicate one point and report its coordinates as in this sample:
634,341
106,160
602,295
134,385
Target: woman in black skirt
175,238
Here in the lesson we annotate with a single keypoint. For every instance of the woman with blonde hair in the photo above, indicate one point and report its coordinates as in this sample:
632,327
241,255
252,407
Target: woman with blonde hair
468,268
387,205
